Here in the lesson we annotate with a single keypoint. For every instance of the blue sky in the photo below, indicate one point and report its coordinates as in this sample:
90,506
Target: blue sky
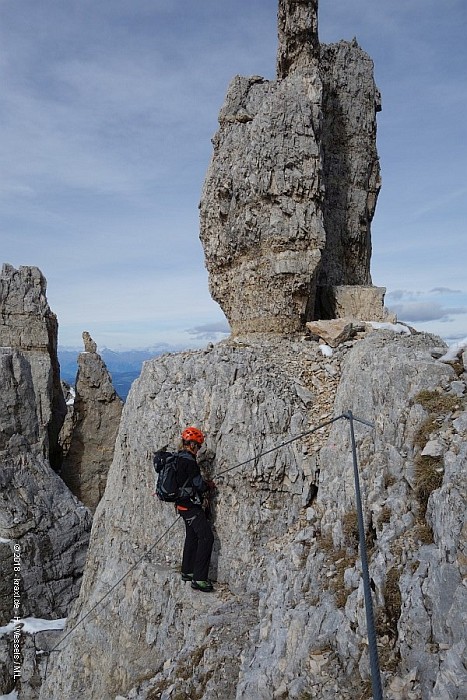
107,110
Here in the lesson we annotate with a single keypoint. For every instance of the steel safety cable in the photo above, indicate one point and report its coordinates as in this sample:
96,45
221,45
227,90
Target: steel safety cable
117,583
235,466
282,444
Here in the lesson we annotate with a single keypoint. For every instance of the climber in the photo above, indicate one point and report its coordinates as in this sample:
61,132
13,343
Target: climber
199,538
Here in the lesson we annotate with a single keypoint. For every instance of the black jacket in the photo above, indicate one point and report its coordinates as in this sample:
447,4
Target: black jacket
188,471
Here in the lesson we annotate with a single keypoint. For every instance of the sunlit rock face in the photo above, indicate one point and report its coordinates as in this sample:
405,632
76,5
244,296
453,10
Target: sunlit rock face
291,189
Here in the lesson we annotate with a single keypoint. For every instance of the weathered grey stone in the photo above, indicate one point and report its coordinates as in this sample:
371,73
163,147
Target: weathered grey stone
89,344
298,49
28,326
451,674
351,171
18,410
332,332
425,594
217,385
353,301
7,681
433,448
40,517
69,394
460,423
6,561
40,520
96,416
261,226
458,388
276,604
291,188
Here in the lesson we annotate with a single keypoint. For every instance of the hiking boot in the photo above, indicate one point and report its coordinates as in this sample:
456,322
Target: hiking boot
204,586
187,577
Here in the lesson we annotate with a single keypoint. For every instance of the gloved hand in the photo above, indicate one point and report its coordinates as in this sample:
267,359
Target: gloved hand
211,485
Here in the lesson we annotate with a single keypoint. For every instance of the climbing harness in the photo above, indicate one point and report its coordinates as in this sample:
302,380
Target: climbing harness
371,632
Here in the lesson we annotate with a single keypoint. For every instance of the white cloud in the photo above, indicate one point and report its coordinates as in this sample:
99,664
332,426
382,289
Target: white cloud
445,290
210,331
441,310
398,294
425,311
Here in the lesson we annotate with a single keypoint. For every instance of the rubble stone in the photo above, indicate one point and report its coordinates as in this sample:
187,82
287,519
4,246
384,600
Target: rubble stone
332,332
433,448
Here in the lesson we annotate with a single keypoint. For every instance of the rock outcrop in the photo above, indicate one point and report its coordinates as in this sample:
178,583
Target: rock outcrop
69,394
29,328
287,618
291,189
44,530
96,416
44,535
351,173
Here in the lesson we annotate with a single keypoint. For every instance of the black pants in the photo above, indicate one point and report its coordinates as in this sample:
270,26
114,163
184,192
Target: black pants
198,543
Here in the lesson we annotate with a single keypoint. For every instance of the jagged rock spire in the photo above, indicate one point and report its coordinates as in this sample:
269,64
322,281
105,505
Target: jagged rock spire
96,417
298,35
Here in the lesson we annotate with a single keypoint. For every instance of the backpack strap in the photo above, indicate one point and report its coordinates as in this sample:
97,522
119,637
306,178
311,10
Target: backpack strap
193,493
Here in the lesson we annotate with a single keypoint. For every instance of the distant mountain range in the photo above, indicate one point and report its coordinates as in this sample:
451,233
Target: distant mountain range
124,366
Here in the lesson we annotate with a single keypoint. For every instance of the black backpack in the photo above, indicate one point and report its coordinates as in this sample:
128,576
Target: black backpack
165,464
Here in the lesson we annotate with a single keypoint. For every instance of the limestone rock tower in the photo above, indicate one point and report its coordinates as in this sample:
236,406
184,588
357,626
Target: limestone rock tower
96,416
292,185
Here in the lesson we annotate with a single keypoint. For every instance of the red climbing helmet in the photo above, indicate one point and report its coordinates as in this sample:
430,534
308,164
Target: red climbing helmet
192,434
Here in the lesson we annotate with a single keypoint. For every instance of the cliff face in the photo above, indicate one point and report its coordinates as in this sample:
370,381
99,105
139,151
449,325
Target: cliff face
287,617
41,523
28,325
